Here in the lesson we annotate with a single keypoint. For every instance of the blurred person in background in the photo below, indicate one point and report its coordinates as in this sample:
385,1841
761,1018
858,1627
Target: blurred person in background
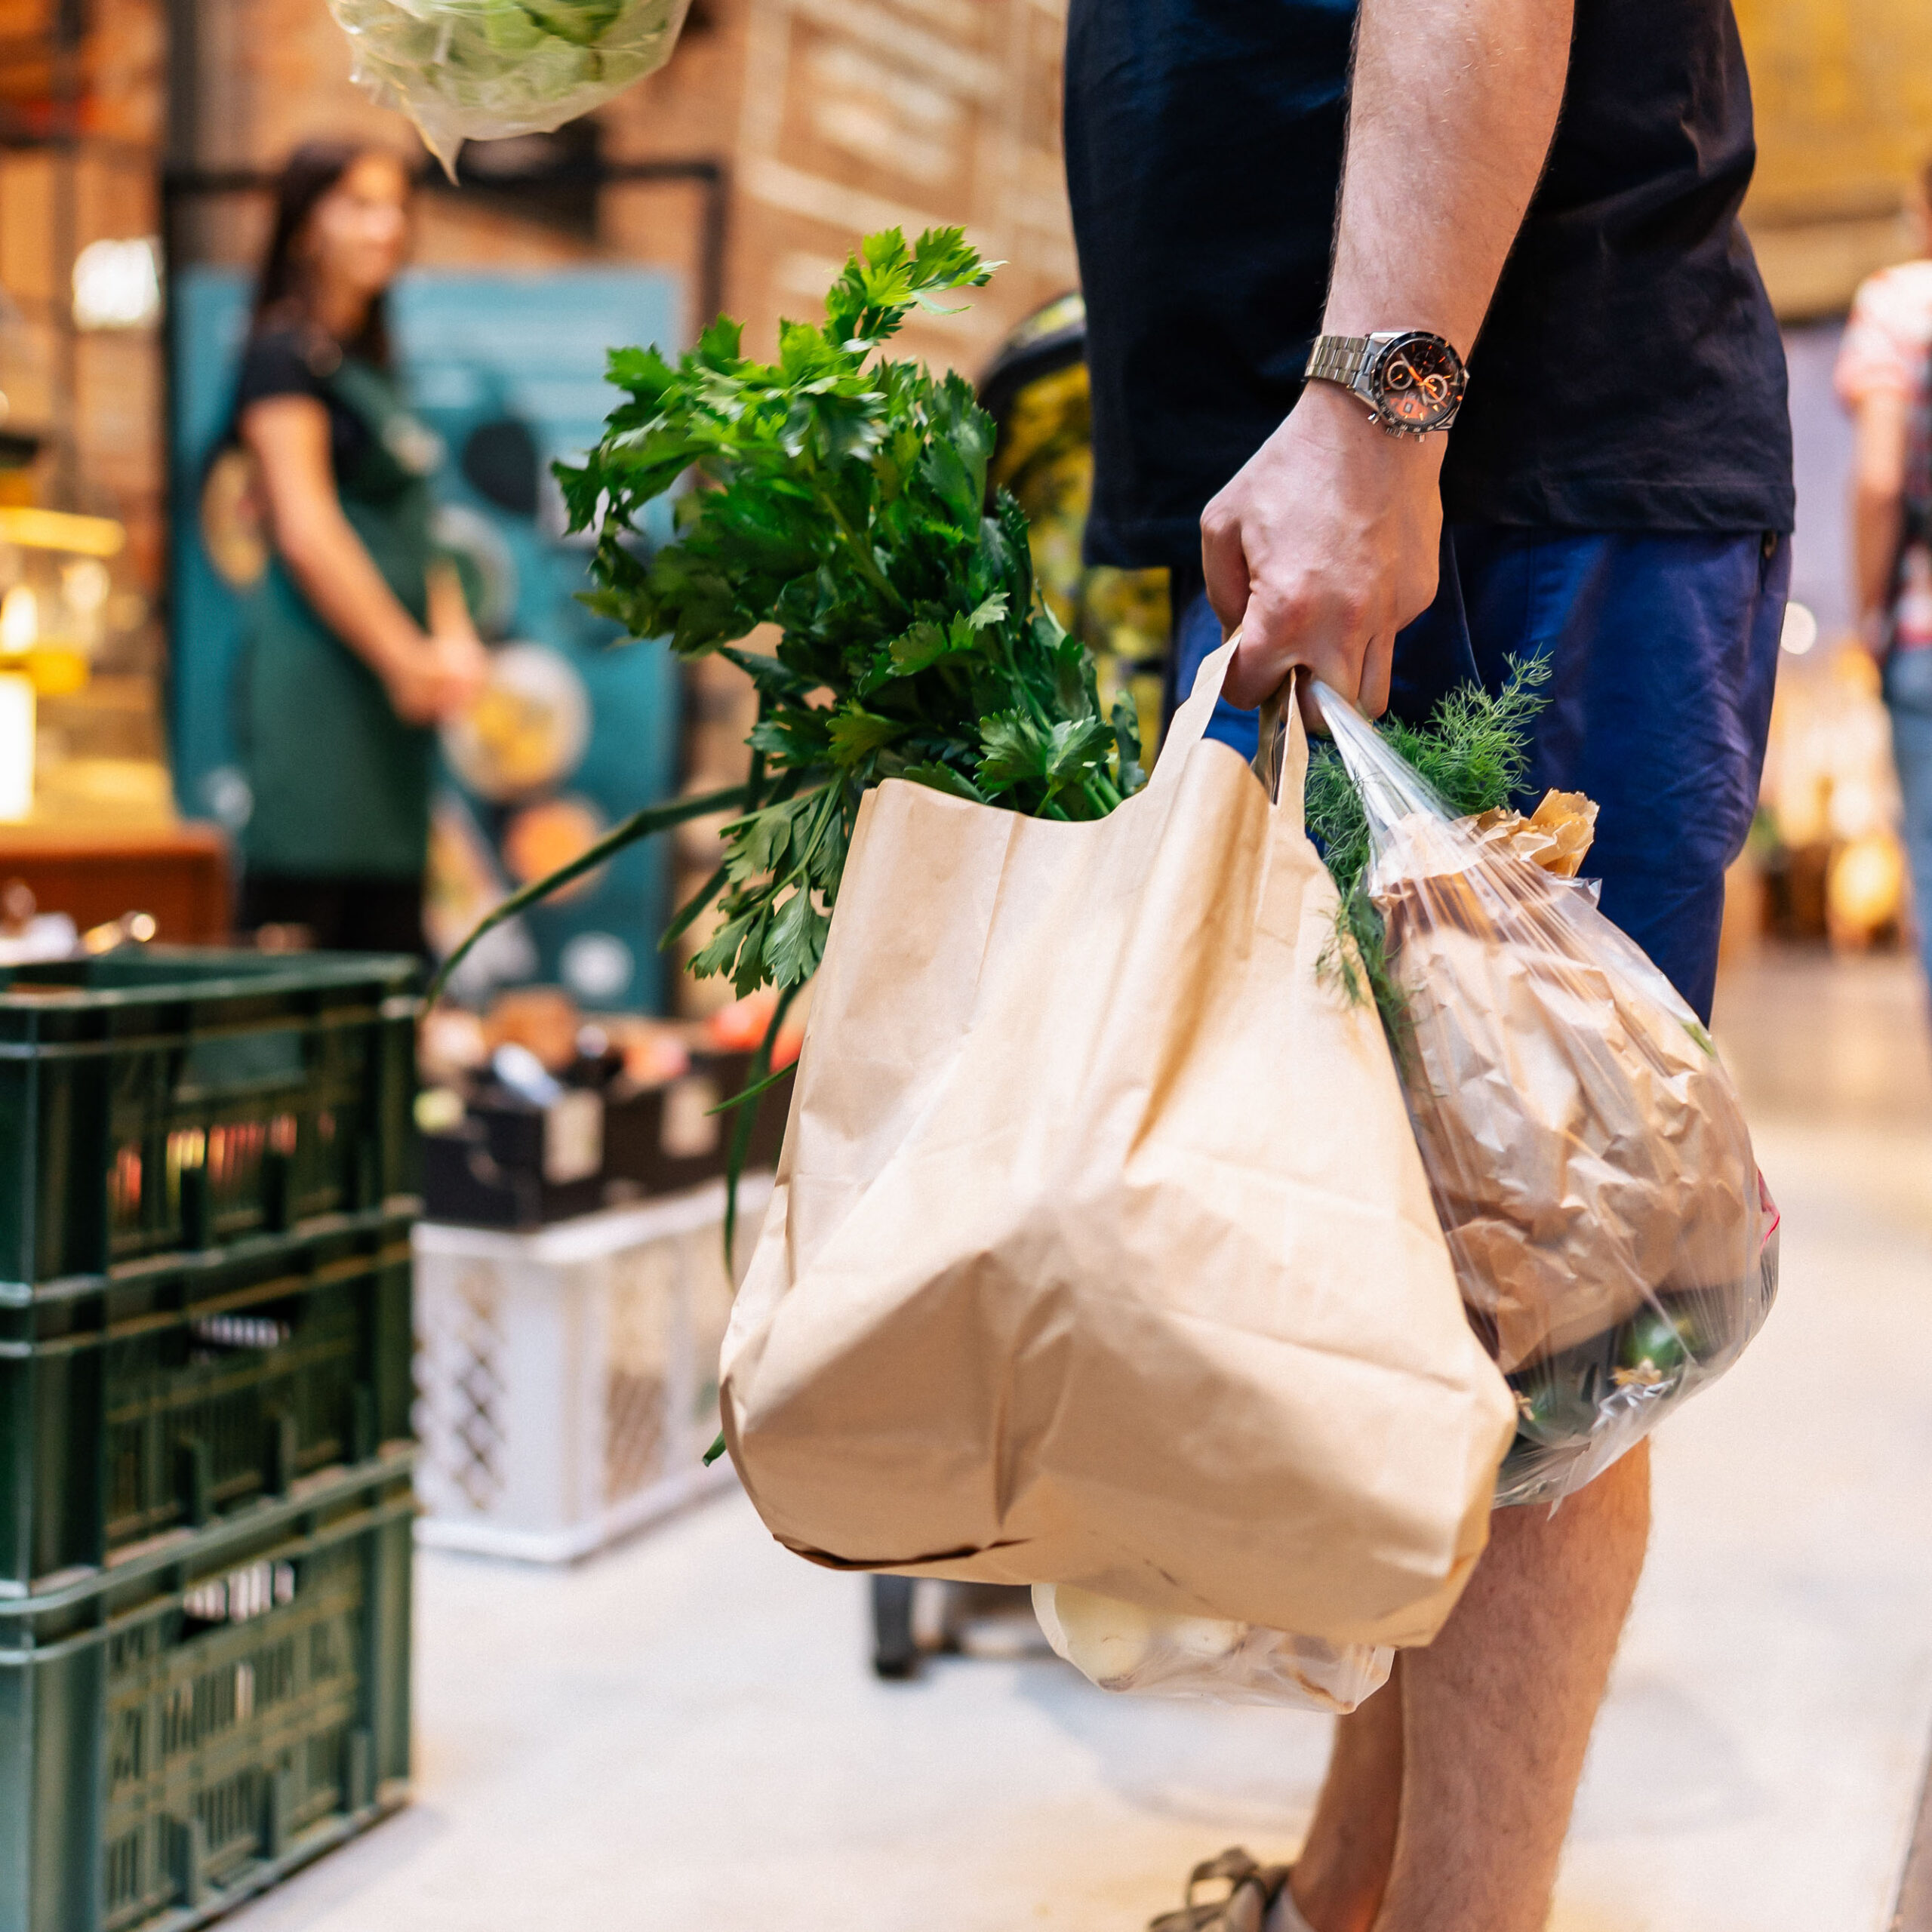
1884,378
358,641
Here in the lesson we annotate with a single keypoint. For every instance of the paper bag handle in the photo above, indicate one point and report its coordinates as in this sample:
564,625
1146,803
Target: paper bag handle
1189,726
1283,748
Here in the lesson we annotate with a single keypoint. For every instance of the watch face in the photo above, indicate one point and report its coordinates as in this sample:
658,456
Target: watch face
1418,381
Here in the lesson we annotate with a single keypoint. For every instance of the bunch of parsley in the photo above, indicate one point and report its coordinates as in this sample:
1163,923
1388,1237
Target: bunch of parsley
842,497
844,500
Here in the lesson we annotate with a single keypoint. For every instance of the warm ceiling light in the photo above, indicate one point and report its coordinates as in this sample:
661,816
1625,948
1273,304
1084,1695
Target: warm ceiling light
19,621
117,284
59,529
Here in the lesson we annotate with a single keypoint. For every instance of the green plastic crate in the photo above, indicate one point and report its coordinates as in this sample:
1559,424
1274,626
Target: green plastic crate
160,1101
178,1390
180,1732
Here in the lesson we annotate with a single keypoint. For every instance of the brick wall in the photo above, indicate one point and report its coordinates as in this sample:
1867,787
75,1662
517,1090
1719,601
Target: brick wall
854,114
832,117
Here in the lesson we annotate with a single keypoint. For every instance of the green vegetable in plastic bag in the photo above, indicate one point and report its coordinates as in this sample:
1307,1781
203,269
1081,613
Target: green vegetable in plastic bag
482,69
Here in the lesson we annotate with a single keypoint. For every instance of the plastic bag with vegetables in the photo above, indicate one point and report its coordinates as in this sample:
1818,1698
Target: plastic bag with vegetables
480,69
1614,1242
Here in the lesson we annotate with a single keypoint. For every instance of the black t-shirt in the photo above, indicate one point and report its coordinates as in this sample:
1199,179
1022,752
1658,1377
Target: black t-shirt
1630,375
298,362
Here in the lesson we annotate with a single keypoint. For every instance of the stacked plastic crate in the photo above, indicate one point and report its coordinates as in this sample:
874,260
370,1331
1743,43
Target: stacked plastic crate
205,1411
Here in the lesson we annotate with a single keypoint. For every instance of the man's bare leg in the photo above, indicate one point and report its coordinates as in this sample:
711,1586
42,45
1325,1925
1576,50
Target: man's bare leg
1344,1866
1496,1718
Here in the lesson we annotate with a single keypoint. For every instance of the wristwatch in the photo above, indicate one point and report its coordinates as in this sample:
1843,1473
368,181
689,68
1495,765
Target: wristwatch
1412,381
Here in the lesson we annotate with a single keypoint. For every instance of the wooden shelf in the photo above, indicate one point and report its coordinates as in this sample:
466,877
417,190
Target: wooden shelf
178,873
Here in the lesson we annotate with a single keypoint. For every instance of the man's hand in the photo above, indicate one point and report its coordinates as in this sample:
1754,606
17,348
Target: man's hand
1322,548
1325,545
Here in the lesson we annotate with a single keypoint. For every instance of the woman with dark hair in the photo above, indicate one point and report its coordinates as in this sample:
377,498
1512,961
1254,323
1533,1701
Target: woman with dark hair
358,641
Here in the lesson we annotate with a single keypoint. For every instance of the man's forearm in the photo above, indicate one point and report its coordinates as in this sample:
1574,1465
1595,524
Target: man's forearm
1324,546
1451,110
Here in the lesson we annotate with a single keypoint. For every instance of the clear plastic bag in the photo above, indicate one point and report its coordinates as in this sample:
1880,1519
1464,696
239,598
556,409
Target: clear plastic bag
481,69
1615,1244
1121,1647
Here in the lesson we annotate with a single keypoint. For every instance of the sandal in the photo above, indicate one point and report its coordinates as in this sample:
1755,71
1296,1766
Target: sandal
1252,1890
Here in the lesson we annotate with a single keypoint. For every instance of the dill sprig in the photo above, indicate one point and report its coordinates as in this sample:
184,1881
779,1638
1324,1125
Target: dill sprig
1474,752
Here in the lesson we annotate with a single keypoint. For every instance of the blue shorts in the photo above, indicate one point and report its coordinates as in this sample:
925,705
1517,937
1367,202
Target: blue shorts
1663,649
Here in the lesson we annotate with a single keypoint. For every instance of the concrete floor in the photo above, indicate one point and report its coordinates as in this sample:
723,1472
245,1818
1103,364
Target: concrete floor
684,1734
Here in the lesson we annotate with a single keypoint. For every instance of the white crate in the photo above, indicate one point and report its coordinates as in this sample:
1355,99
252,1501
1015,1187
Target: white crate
567,1380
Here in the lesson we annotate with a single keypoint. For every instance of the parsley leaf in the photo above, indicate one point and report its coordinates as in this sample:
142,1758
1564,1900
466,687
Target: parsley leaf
842,496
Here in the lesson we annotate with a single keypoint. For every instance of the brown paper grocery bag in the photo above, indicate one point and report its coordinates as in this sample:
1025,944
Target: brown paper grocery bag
1101,1252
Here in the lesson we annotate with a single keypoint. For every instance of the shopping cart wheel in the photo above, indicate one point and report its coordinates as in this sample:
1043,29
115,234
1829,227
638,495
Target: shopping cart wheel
894,1653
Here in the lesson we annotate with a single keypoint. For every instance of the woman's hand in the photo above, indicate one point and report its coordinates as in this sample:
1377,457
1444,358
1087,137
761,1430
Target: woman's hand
463,669
458,666
436,680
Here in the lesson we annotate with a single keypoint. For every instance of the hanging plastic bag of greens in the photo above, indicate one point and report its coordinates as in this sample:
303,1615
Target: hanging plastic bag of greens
1615,1244
478,70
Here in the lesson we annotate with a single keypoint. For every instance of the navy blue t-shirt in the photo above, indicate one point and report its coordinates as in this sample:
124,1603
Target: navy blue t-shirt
1629,375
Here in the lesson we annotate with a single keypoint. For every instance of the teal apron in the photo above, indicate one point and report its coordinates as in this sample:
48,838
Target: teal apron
341,784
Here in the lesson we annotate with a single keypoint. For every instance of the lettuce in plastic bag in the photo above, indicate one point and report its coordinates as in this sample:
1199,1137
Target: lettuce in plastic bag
481,69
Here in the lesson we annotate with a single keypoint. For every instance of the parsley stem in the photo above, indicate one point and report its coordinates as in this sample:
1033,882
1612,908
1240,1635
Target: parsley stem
861,553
